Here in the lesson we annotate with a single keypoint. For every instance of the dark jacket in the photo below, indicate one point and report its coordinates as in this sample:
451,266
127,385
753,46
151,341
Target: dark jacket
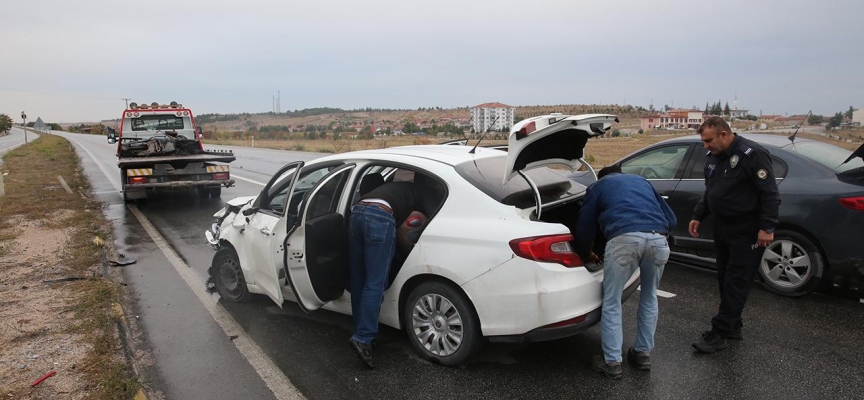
403,197
621,203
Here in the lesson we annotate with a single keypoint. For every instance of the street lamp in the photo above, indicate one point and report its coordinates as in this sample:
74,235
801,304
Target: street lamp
24,117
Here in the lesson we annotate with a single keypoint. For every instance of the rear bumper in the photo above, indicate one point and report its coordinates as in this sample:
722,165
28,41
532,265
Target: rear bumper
179,184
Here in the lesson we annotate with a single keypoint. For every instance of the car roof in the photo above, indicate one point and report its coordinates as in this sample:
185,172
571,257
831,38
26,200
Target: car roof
761,138
446,154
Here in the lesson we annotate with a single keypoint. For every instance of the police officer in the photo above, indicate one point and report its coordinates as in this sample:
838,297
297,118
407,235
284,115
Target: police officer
741,193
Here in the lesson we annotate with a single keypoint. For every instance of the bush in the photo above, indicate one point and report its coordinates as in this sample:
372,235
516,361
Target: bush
299,147
616,133
641,131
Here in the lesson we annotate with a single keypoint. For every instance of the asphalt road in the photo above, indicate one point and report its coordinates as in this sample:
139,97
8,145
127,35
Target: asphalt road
14,139
793,348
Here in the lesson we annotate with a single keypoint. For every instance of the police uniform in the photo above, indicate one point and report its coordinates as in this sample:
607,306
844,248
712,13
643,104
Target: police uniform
741,193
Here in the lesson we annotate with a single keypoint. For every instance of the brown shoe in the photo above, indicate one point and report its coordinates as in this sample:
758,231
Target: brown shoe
612,370
638,359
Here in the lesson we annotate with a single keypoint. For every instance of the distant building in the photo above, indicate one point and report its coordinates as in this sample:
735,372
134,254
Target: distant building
736,114
674,119
484,115
858,118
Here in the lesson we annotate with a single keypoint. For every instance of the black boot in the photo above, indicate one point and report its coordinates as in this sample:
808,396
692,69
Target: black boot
612,370
711,342
364,351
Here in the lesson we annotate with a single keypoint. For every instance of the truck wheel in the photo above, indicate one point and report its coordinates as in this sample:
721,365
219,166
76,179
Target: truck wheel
228,276
203,192
216,192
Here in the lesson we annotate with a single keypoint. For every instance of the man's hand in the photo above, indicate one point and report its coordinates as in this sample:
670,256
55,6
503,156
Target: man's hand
594,258
764,239
694,228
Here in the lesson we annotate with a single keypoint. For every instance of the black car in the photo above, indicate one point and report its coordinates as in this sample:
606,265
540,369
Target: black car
821,234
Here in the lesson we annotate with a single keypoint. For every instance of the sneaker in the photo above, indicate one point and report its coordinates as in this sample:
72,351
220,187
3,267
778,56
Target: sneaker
639,359
364,351
711,342
612,370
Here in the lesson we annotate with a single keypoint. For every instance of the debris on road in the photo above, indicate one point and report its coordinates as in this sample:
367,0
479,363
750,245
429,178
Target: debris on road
44,377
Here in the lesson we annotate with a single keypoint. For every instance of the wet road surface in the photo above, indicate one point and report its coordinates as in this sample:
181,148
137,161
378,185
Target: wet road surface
793,348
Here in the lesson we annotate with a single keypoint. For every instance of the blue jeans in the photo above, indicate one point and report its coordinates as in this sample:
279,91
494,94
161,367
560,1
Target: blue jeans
649,252
371,243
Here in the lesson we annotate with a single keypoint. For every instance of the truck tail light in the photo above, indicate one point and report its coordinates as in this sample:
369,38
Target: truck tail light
137,180
853,203
548,248
220,176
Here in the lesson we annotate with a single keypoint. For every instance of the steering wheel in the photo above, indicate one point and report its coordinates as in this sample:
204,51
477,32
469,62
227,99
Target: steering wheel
649,173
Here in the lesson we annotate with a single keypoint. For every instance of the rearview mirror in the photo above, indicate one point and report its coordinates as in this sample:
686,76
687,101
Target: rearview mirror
200,132
112,137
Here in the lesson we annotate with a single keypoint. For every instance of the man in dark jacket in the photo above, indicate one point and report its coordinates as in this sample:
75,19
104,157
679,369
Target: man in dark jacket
636,221
372,242
740,190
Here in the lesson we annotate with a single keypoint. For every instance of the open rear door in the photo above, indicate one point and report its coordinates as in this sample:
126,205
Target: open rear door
316,254
552,139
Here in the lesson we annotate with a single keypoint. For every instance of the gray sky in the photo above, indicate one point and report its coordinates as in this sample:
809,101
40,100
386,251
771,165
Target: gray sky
68,61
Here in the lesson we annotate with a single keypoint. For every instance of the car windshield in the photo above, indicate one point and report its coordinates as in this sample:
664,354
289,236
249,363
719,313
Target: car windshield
157,122
828,155
488,173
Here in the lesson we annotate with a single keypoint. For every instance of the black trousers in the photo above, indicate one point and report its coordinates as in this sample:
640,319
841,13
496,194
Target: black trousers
738,260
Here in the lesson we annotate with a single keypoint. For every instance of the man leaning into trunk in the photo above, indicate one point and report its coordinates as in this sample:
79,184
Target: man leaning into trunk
636,222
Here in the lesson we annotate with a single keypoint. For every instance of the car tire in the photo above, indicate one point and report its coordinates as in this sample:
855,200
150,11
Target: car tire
228,276
434,327
791,265
216,192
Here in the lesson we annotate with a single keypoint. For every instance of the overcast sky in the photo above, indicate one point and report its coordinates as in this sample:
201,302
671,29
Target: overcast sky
69,61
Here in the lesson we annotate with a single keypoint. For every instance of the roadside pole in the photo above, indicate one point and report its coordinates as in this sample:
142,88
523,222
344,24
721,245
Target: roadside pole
24,126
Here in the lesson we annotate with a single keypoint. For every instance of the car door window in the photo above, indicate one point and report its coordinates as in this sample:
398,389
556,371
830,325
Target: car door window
697,169
278,195
661,163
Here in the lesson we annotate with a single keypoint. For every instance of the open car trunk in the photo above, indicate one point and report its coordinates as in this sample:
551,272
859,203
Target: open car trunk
568,214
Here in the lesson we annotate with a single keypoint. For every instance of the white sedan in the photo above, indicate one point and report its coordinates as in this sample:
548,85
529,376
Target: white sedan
491,260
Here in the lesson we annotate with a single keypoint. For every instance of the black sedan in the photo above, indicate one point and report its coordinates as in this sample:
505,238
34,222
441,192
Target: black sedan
820,240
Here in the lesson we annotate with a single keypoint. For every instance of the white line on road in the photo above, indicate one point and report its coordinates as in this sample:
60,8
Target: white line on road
264,366
661,293
248,180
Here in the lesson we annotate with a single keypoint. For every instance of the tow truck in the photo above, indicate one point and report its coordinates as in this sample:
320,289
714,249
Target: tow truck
159,148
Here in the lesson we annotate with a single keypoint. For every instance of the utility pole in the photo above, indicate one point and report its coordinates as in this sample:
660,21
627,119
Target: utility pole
127,102
24,117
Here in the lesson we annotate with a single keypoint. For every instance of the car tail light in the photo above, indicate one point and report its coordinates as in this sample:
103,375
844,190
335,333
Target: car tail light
853,203
220,176
137,180
550,248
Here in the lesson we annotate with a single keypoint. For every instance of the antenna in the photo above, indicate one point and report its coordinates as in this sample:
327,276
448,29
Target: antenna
484,134
792,138
127,102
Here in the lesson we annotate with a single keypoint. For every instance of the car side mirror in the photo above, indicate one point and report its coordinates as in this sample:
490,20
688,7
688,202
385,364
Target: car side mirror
249,211
112,137
200,132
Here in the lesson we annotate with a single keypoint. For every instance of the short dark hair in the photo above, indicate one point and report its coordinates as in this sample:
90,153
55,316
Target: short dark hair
717,123
611,169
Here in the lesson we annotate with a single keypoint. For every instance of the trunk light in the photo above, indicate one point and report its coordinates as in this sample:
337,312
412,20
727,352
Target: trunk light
853,203
137,180
549,248
221,176
571,321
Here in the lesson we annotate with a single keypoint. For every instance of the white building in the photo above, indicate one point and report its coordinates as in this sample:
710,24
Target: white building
858,117
484,115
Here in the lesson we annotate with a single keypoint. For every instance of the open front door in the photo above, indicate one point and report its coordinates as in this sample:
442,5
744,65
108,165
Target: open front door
260,232
317,250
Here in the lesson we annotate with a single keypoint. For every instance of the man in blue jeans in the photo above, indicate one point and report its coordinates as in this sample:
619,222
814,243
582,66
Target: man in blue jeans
372,242
636,222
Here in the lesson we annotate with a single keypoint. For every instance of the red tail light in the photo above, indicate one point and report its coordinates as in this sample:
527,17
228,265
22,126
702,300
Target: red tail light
551,248
220,176
137,179
853,203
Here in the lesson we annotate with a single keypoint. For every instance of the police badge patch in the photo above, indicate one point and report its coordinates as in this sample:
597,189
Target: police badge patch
733,161
762,174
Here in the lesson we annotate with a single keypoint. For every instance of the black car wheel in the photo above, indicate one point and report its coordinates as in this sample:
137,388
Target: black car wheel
216,192
791,265
441,323
203,191
228,276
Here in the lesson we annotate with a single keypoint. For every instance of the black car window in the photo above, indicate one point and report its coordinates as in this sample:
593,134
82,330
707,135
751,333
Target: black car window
659,163
697,169
830,156
308,178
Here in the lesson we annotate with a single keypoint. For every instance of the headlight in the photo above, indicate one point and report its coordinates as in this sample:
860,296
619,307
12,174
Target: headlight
215,229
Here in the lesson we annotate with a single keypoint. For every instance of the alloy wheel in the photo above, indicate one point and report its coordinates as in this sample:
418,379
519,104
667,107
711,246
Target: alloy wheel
437,324
786,264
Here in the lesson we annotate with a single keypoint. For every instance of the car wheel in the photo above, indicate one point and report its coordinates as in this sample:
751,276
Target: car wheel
216,192
441,323
791,265
228,276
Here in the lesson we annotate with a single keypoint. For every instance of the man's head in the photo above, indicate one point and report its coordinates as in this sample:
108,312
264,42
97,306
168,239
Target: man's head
716,135
612,169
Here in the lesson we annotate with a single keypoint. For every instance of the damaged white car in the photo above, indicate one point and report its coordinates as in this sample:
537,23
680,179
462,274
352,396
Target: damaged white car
492,260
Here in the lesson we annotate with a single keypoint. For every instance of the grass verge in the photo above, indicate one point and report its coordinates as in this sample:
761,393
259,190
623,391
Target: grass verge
34,194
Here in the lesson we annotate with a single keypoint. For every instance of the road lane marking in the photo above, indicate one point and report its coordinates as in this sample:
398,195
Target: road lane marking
661,293
247,180
278,383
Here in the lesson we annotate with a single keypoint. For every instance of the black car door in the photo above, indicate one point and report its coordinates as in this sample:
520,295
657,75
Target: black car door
687,195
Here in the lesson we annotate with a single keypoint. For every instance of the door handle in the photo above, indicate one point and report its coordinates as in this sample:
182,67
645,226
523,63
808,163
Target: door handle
265,231
665,197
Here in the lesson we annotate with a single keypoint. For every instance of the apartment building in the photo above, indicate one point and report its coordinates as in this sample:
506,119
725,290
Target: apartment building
497,115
